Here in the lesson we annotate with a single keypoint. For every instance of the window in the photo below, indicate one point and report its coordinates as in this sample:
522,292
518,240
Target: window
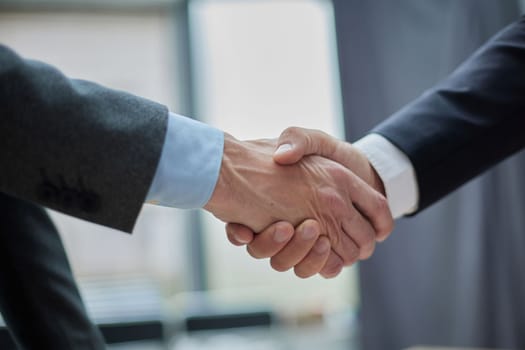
121,275
259,67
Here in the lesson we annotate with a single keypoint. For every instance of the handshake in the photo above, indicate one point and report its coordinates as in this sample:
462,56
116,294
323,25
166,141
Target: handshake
306,200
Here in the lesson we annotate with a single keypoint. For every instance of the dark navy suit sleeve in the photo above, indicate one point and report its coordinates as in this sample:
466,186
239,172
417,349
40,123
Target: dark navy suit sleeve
39,299
75,146
467,123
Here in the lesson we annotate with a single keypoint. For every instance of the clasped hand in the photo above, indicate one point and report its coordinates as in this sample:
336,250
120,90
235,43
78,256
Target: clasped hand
316,202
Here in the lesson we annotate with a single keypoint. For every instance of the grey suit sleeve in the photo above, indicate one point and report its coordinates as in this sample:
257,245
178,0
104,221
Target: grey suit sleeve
469,122
74,146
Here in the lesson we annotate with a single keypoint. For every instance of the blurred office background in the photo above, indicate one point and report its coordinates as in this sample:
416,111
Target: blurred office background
249,68
252,68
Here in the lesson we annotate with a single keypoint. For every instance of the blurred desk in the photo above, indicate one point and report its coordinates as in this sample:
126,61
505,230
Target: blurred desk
312,337
444,348
131,315
124,310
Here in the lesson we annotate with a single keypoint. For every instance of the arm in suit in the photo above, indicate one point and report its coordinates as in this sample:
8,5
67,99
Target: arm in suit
39,299
75,146
93,153
453,132
467,123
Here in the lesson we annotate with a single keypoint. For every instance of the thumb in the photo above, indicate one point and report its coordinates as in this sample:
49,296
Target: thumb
288,153
295,143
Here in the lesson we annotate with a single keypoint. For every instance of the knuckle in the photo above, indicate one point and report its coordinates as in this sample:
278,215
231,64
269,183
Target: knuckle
382,204
332,200
290,131
352,256
383,234
334,236
338,173
333,263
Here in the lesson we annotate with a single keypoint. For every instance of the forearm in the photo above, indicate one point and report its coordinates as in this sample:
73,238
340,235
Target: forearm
75,146
467,123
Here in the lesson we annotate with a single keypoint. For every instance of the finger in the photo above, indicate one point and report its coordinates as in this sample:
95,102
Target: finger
362,234
271,240
315,259
298,247
332,267
239,234
295,143
346,248
373,206
341,241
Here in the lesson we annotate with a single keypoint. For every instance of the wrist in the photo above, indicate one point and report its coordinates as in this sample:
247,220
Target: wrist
221,195
249,187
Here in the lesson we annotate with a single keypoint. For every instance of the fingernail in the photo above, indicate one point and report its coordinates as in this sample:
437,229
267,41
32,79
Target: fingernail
242,240
322,246
308,233
285,147
280,236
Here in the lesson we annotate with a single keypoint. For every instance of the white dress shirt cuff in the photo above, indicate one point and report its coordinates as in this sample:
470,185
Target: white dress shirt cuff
189,164
395,170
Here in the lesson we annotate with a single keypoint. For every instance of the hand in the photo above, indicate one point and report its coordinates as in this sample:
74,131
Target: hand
303,249
270,243
255,191
294,143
